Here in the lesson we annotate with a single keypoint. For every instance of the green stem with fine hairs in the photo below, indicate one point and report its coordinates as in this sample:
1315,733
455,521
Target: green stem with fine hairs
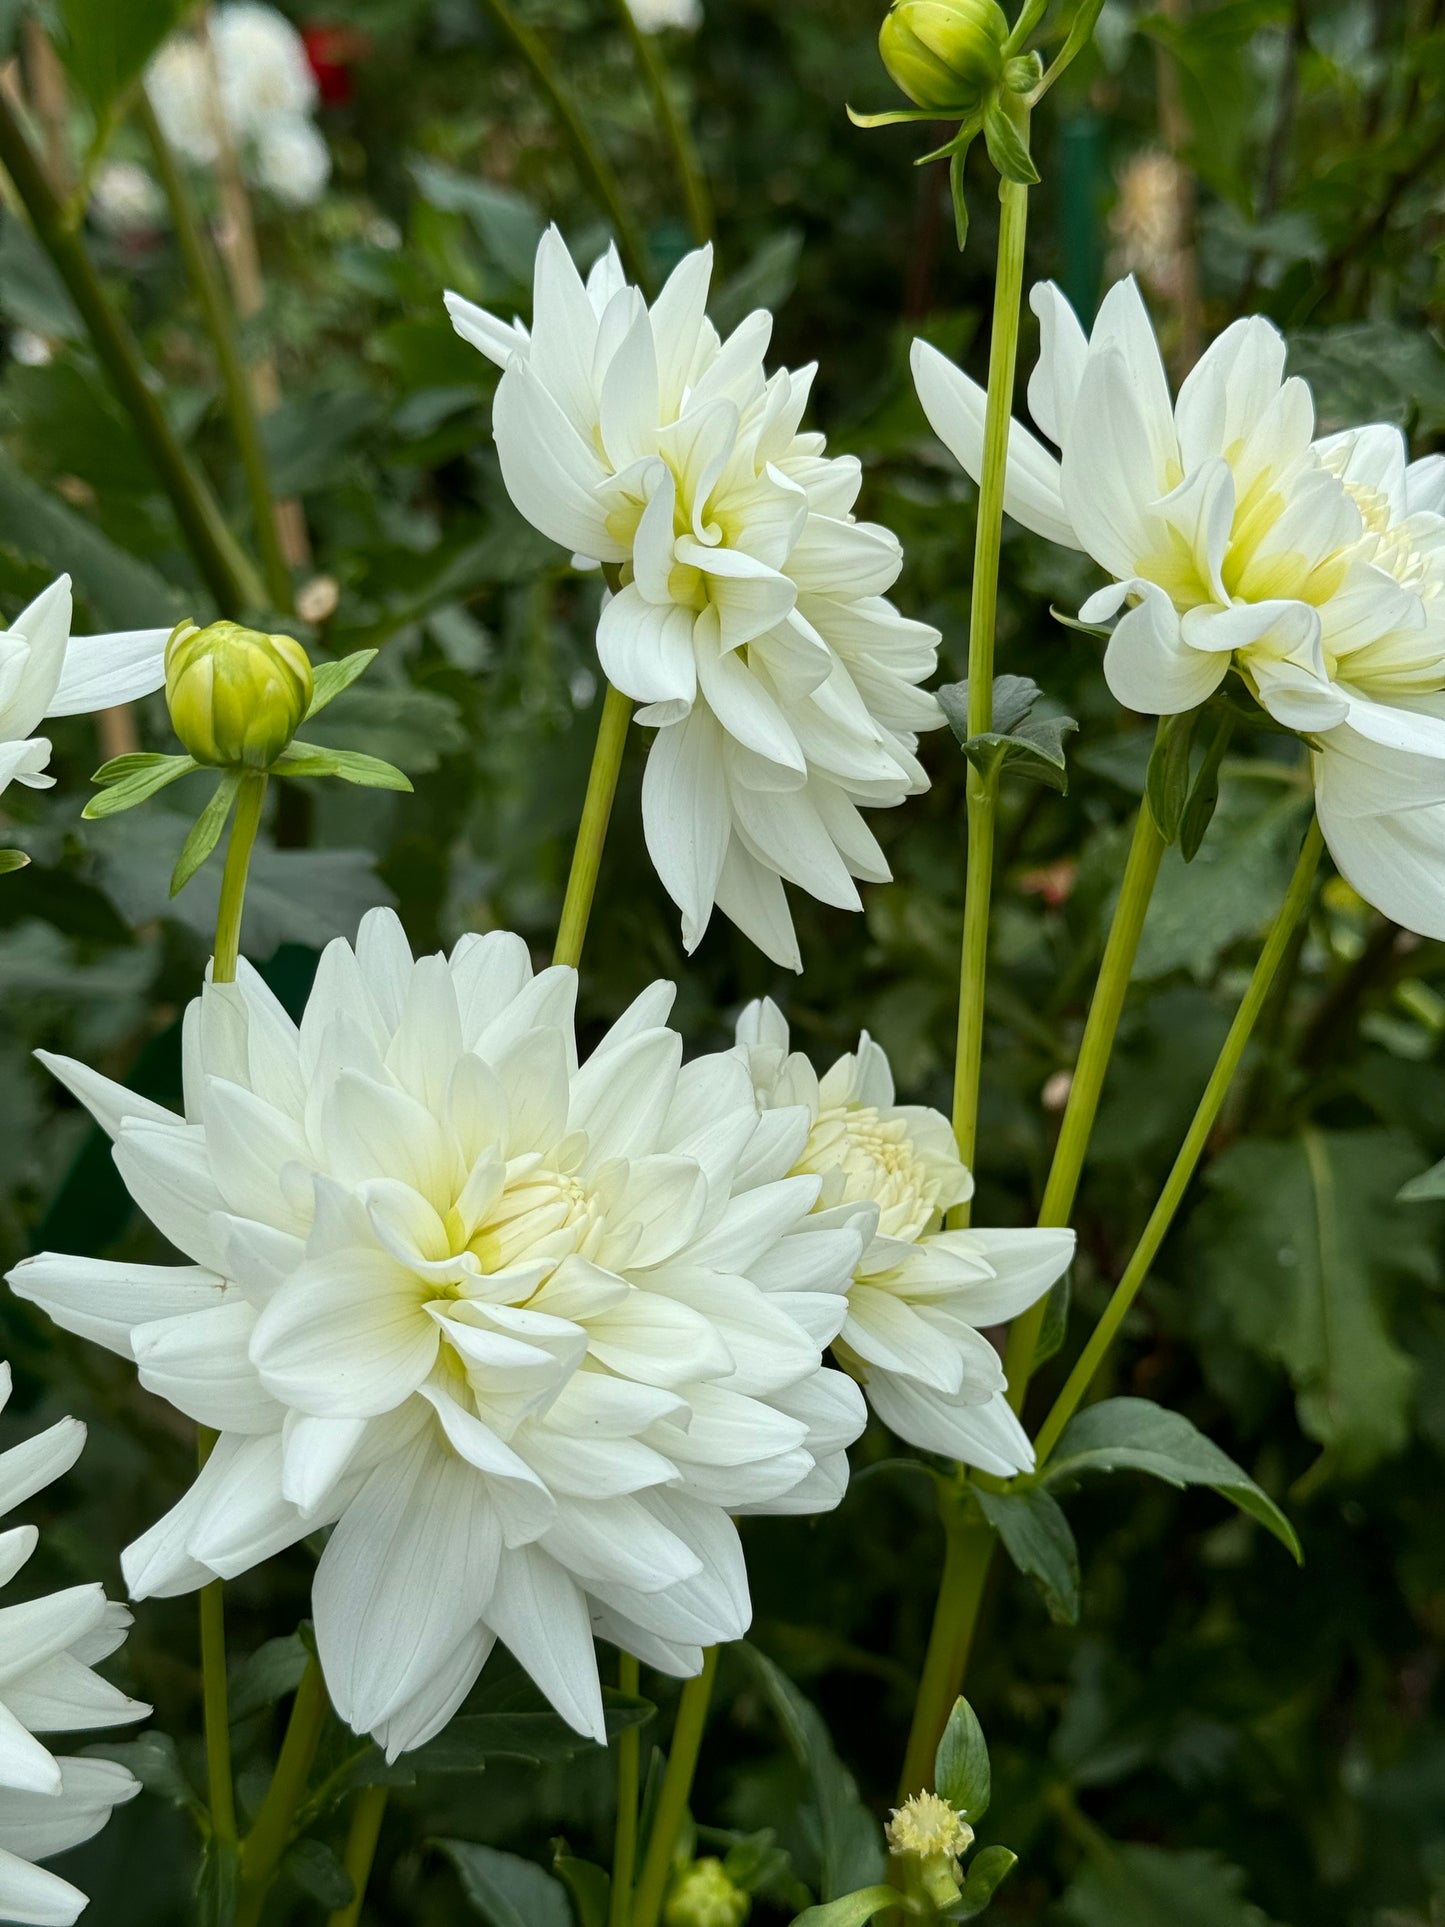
673,123
676,1791
593,164
592,830
624,1839
228,571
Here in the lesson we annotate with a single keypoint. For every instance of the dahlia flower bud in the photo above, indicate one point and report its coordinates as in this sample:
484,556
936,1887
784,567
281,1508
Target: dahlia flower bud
236,696
946,55
930,1836
703,1896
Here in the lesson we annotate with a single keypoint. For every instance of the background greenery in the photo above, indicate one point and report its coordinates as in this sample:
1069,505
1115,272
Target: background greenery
1222,1739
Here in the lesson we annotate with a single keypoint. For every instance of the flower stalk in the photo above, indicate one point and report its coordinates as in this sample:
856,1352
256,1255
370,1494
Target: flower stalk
592,830
212,1607
360,1853
624,1840
673,124
275,1820
672,1801
250,796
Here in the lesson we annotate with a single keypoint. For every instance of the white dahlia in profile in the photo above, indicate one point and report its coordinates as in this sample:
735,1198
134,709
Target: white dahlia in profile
47,1650
750,617
523,1331
919,1292
1236,540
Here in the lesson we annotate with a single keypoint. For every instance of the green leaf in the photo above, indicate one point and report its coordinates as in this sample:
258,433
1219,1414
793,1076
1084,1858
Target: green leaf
268,1674
506,1890
1007,148
130,780
1149,1887
764,281
987,1872
469,1741
851,1852
1134,1434
328,679
351,765
1040,1541
413,728
218,1883
205,832
851,1910
506,223
106,43
1166,787
317,1871
156,1763
12,860
1427,1188
1204,795
961,1770
1303,1245
1034,745
1055,1327
590,1886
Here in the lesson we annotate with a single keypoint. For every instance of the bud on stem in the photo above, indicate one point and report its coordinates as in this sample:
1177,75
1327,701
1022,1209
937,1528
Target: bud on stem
946,55
236,696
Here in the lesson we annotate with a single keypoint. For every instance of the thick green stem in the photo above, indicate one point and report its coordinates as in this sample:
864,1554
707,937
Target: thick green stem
360,1853
983,623
1141,871
968,1542
624,1839
1170,1198
214,1697
594,165
592,830
249,799
210,291
228,572
676,1791
275,1820
673,123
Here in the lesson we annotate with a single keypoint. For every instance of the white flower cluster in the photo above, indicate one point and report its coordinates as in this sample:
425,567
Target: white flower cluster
263,86
524,1332
654,16
48,1647
920,1293
750,617
1314,569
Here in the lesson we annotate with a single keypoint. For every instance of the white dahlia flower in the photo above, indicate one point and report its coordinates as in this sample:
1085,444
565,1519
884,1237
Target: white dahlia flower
183,94
292,160
1236,540
655,15
919,1292
265,74
45,671
47,1650
750,618
524,1332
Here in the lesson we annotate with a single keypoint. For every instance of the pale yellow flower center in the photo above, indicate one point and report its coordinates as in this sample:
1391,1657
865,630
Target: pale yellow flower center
865,1157
926,1825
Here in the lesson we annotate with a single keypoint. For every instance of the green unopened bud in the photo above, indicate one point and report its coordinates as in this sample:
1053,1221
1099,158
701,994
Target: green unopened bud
930,1836
946,55
236,696
703,1896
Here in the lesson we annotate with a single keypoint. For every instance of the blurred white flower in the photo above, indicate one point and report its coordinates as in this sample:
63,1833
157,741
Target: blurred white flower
261,59
30,349
179,83
48,1647
919,1292
1236,540
654,15
45,671
292,161
750,619
526,1332
126,199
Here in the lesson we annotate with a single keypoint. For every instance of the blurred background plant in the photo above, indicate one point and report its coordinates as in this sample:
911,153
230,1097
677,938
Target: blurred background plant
1220,1740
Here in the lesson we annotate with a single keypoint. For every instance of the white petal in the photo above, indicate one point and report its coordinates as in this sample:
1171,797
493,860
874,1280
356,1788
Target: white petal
100,671
549,471
540,1615
1148,664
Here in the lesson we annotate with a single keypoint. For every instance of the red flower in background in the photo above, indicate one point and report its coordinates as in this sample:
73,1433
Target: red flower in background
333,51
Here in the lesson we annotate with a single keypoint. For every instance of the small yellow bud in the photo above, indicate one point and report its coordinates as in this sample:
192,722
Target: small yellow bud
927,1832
703,1896
236,697
946,55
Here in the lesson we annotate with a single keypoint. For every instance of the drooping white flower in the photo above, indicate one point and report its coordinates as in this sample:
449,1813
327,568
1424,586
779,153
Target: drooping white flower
292,160
750,619
525,1332
653,16
920,1293
45,671
1238,541
48,1648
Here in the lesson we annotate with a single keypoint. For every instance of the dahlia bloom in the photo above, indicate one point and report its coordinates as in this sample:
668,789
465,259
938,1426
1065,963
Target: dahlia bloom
750,619
1237,540
919,1292
524,1332
653,16
47,1650
45,671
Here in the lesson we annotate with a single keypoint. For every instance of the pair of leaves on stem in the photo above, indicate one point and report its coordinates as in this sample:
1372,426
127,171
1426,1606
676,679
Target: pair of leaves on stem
1181,801
126,781
1116,1435
1031,745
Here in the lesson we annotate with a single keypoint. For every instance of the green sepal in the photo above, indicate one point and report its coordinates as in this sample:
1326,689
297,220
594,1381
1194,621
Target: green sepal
589,1885
1023,72
987,1872
205,831
1032,745
1204,795
351,765
1007,148
12,860
1081,32
328,679
961,1771
958,143
128,780
891,118
1166,786
1055,1327
1083,628
956,168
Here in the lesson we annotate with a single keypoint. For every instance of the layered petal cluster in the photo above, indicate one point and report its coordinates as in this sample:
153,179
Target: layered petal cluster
45,671
524,1332
48,1648
750,618
920,1293
1237,540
